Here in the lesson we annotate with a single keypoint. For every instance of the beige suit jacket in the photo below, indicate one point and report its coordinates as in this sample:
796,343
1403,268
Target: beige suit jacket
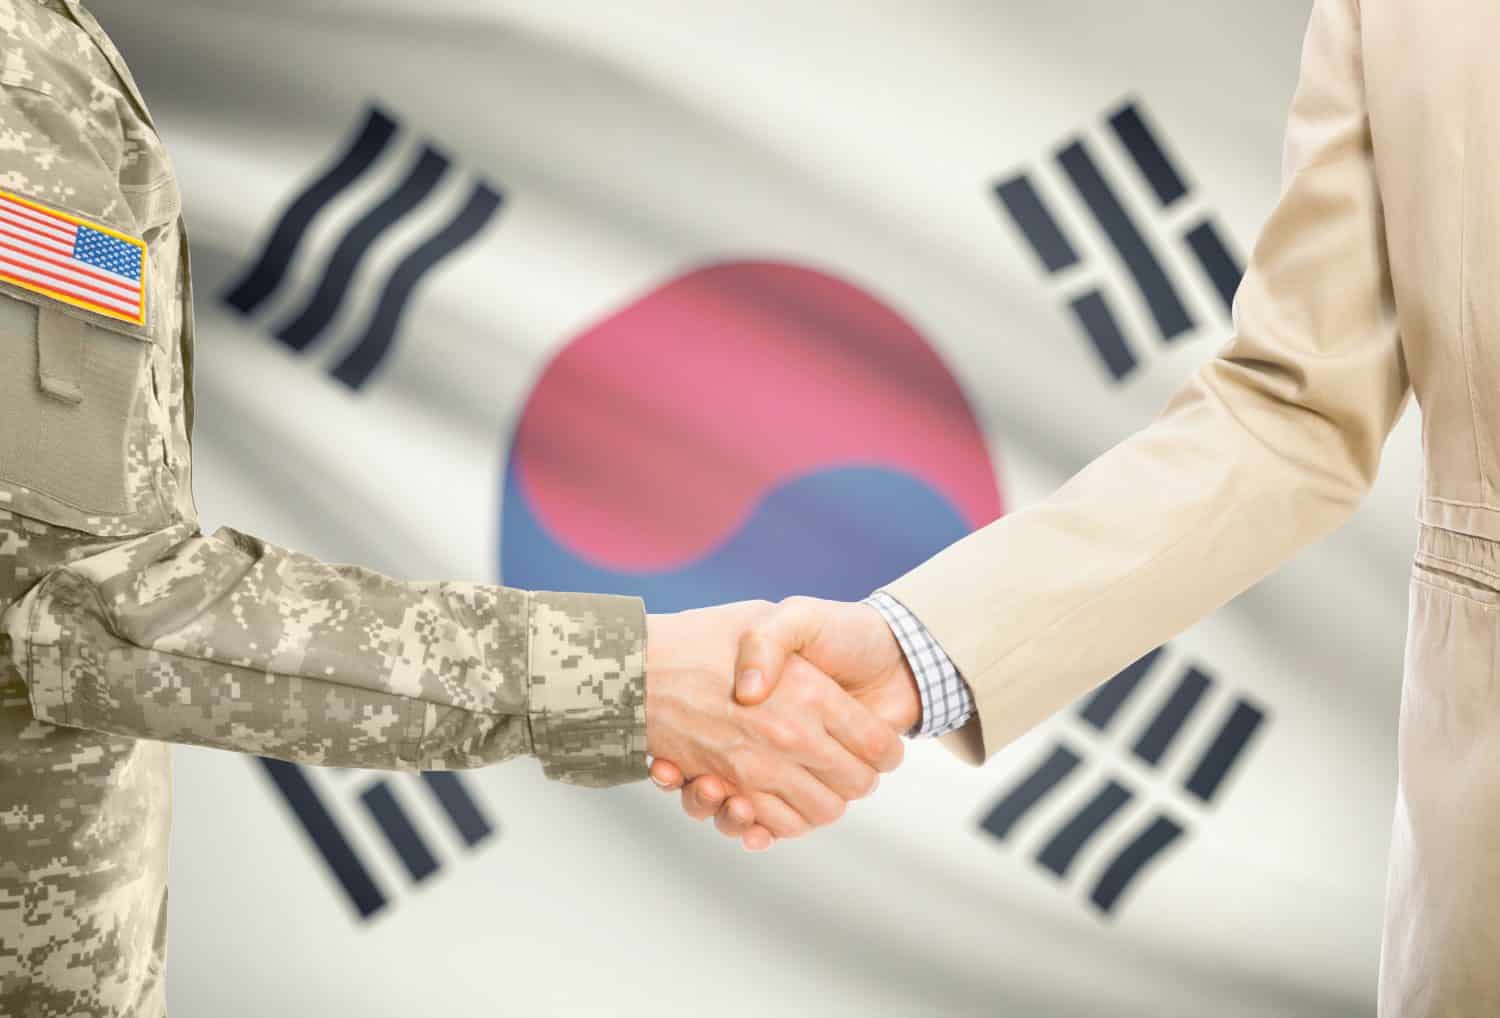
1375,276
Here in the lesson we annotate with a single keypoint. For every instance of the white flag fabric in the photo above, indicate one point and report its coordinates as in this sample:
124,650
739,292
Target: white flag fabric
711,301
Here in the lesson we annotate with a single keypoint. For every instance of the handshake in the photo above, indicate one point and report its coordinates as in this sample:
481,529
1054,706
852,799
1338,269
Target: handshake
772,718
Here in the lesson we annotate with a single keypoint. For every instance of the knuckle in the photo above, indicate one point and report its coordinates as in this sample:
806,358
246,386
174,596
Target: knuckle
792,827
758,638
825,757
807,694
781,734
830,812
874,745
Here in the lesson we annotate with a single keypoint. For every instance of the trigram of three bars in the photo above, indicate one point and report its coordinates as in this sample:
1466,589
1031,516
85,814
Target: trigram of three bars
1085,190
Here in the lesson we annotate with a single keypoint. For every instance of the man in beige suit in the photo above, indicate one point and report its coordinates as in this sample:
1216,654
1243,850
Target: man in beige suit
1375,275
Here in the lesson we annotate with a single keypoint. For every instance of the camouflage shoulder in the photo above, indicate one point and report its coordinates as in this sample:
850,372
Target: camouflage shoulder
60,122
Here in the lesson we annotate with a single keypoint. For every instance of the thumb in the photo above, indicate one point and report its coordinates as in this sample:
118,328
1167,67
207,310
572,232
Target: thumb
764,647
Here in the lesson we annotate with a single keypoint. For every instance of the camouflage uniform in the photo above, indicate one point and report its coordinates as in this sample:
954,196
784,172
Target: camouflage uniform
125,627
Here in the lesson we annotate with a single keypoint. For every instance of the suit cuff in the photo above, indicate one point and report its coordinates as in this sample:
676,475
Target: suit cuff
587,670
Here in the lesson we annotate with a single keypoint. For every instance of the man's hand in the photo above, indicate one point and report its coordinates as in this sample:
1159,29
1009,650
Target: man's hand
848,641
792,761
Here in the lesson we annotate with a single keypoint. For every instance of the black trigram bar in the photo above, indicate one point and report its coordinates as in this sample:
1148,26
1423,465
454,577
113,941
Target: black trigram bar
1133,858
1058,854
1102,707
321,828
368,143
1032,789
421,178
371,348
1171,317
1146,151
1218,263
1226,748
380,802
1103,329
1036,224
464,813
1157,738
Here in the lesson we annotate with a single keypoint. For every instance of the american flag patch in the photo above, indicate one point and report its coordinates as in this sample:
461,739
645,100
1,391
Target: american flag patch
72,260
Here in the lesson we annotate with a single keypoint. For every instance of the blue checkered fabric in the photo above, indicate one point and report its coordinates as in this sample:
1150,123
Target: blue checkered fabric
947,702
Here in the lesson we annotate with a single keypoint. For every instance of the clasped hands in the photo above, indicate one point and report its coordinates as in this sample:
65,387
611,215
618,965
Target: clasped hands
773,718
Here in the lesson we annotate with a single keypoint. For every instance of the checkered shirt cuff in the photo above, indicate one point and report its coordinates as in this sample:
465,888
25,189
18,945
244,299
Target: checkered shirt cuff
947,702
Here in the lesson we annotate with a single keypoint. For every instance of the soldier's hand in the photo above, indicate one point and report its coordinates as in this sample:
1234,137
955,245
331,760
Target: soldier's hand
794,761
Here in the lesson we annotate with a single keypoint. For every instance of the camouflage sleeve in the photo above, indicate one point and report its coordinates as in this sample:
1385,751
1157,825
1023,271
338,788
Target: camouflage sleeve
231,642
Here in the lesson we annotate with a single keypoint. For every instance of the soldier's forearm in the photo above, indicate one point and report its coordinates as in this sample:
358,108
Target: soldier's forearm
230,642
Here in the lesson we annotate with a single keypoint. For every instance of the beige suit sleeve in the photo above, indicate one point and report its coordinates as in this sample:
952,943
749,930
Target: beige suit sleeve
1268,447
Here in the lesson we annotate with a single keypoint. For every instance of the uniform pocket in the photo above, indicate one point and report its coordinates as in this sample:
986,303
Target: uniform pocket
70,393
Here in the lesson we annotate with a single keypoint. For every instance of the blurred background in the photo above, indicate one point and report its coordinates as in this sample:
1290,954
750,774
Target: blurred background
707,301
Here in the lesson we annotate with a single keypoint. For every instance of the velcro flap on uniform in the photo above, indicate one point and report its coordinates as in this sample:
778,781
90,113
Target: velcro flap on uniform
59,348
